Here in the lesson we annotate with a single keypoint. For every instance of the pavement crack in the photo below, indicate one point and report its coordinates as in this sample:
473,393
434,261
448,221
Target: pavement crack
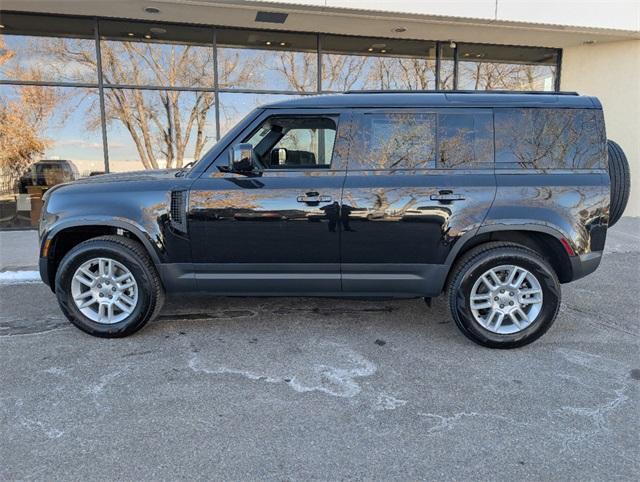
225,314
449,422
588,318
35,333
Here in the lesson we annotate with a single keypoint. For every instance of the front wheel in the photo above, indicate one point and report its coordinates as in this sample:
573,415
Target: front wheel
503,295
108,287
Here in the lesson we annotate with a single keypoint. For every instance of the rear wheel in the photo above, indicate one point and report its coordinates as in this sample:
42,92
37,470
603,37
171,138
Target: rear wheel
503,295
108,287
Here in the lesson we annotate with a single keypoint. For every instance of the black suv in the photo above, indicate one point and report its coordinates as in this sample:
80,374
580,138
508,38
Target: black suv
496,199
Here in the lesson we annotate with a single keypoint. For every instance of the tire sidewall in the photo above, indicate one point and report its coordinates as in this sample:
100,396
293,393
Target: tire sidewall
619,181
550,304
79,255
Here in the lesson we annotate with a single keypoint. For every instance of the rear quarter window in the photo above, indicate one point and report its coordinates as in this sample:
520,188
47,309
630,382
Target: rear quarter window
550,138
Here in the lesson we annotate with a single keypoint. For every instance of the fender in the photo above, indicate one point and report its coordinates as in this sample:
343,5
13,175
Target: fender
493,228
127,224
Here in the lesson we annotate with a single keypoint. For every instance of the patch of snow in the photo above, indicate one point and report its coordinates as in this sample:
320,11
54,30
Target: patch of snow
19,277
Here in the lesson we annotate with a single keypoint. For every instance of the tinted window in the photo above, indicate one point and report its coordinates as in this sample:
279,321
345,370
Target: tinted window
550,138
394,141
465,140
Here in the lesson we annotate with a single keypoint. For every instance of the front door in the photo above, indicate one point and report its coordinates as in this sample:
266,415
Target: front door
277,232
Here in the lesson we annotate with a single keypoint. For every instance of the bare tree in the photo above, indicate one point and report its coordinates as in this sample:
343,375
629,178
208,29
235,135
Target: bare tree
342,72
402,73
23,120
502,76
299,68
162,124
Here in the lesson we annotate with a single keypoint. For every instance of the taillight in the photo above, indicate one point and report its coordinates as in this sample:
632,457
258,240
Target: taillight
567,247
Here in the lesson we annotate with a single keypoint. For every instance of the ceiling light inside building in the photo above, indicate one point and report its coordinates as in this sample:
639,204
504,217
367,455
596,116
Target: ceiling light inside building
1,26
282,44
152,10
130,34
370,49
268,42
383,51
147,36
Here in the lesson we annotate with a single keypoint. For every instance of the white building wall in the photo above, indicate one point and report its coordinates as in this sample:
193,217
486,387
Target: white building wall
611,72
613,14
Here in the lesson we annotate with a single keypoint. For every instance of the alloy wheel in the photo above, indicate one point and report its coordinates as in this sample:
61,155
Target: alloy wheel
506,299
104,290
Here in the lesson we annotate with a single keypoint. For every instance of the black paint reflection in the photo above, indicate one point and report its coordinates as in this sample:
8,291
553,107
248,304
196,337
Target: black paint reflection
282,217
393,218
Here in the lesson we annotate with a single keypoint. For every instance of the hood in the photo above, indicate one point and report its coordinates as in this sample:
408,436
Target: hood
149,175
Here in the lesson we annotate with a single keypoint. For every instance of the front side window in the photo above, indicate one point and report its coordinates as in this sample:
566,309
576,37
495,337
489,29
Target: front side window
295,142
394,141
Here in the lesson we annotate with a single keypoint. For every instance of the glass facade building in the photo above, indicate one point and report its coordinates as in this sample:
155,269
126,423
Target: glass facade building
84,96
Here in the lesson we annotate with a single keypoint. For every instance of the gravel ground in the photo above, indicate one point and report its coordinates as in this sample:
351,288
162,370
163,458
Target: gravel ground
301,388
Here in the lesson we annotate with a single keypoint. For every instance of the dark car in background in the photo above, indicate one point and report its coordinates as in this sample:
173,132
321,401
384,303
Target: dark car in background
495,199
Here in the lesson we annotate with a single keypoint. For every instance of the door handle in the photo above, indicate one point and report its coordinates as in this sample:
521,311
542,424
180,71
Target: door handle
314,197
446,196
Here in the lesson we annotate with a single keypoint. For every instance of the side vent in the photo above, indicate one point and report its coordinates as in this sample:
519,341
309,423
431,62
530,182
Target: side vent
178,212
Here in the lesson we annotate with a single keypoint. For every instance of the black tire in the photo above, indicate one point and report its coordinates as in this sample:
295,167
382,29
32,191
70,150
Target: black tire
620,176
484,257
134,257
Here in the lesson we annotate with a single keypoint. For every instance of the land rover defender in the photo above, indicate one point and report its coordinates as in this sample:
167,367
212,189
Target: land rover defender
495,199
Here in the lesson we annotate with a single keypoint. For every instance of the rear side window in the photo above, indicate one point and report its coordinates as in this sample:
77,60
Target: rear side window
394,141
465,140
550,138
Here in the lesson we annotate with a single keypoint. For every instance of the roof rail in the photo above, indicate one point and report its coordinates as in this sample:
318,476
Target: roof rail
400,91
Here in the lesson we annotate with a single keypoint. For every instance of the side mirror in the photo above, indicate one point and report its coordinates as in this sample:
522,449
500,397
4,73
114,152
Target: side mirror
242,159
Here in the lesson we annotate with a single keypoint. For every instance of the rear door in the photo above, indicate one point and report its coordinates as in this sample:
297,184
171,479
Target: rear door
417,181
